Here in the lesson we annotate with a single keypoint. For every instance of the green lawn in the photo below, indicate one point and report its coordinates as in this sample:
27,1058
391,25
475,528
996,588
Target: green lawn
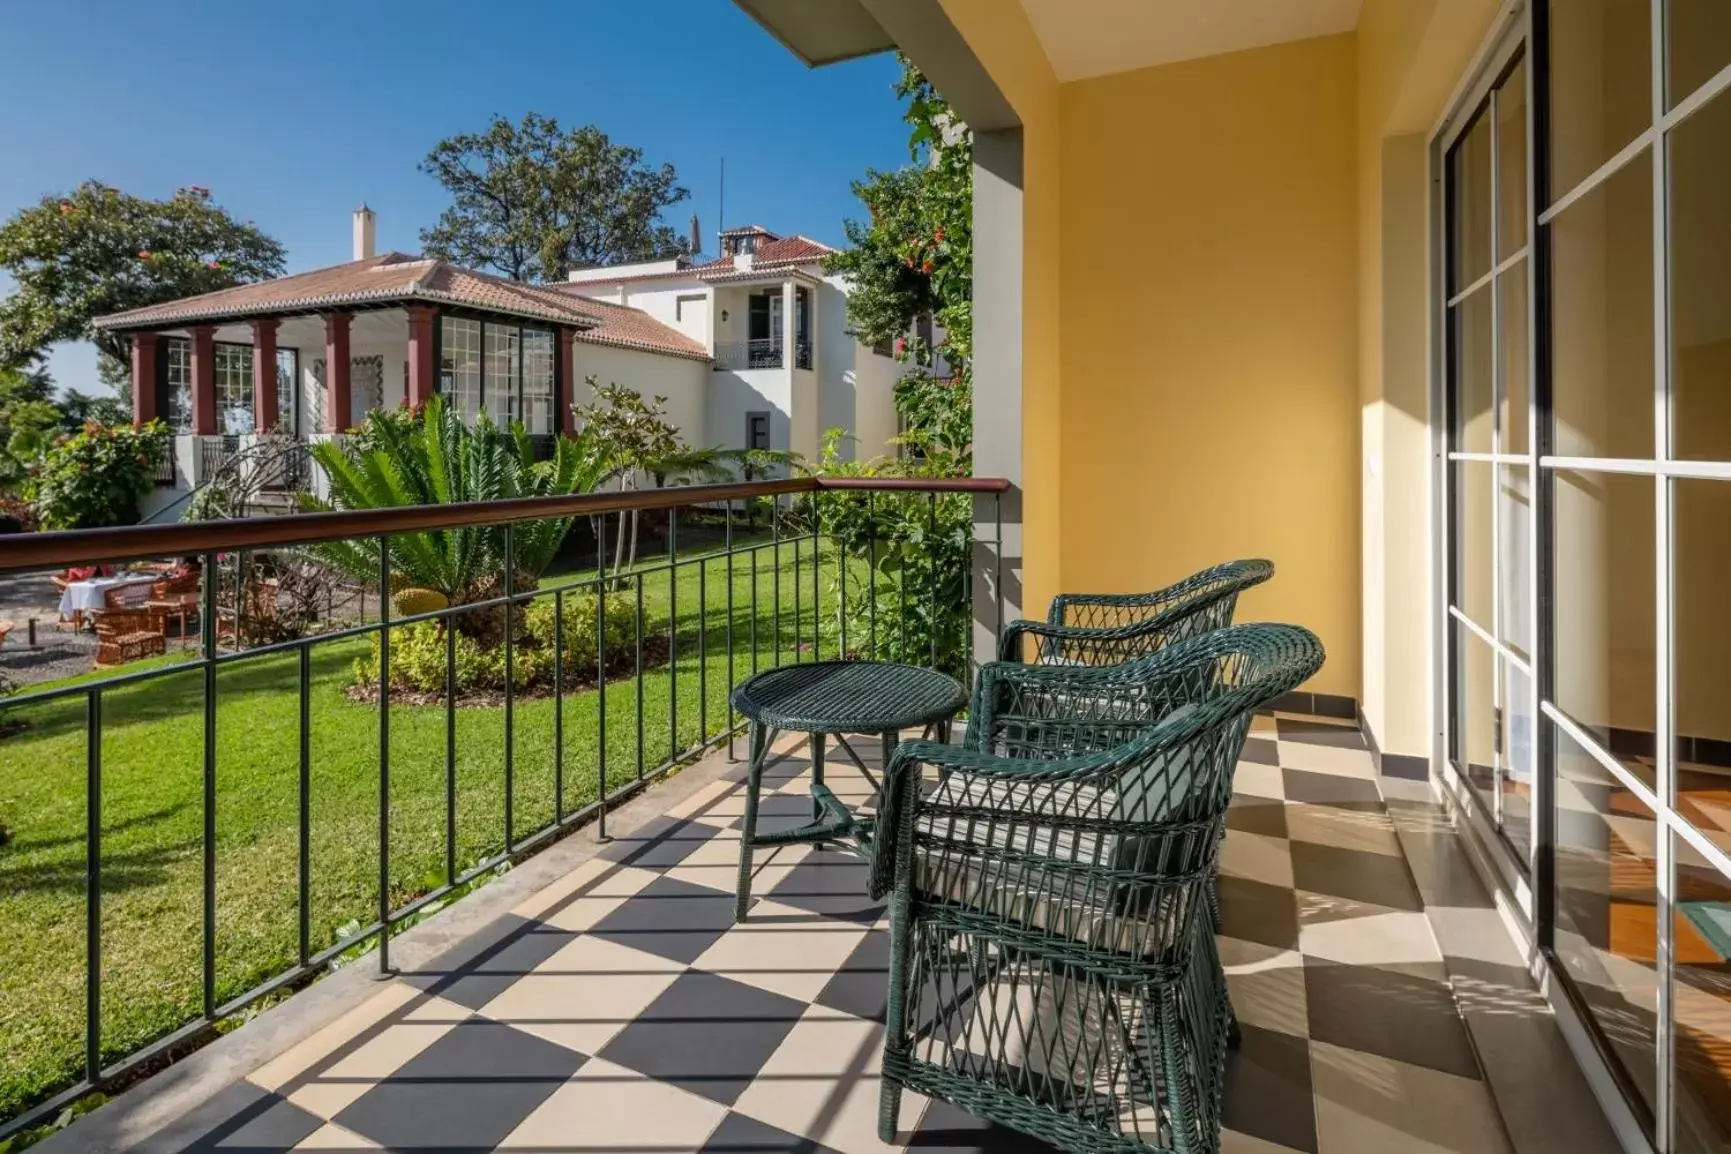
153,813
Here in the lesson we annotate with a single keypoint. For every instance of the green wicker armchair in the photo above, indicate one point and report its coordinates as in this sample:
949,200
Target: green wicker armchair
1052,965
1105,628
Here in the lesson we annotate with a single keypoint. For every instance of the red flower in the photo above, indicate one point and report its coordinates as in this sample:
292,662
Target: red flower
938,236
213,264
926,267
901,346
143,254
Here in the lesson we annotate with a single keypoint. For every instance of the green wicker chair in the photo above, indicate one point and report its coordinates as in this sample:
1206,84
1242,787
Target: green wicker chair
1106,628
1052,966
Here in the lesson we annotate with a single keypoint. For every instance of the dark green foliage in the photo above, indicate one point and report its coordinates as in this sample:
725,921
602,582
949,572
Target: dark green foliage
95,477
532,200
96,250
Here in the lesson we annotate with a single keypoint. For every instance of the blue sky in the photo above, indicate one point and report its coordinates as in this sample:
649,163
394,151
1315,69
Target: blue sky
294,114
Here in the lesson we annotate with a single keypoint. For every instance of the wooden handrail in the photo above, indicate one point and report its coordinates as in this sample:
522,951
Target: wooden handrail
93,546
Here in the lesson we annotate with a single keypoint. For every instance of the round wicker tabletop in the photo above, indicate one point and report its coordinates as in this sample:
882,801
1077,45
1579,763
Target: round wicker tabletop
849,697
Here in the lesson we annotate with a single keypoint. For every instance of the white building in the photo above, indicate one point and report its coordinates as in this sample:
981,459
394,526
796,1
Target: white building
750,350
762,297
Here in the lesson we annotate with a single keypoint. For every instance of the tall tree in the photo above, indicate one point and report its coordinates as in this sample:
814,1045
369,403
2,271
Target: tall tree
533,201
97,250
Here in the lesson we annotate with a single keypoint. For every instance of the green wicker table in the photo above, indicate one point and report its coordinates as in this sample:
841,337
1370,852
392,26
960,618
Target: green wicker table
832,697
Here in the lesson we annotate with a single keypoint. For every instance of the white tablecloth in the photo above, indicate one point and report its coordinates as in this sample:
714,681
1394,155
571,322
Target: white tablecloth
88,596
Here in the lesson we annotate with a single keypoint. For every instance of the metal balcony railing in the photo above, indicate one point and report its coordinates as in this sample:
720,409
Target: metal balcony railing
762,354
213,453
743,577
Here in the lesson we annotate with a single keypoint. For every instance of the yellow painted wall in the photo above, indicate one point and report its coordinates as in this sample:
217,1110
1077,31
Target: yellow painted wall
1004,42
1209,318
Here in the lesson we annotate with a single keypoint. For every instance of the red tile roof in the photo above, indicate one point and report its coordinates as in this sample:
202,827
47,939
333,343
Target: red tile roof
772,254
395,277
392,277
630,328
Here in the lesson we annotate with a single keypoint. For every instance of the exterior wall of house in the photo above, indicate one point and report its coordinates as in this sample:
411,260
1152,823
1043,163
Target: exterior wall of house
732,394
1411,54
1005,44
683,381
1219,364
1273,326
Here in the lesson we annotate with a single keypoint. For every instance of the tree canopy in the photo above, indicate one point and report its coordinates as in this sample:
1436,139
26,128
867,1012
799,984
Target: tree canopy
97,250
532,200
914,258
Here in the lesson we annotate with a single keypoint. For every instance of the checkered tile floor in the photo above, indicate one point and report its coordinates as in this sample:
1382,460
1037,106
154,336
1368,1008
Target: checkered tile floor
622,1010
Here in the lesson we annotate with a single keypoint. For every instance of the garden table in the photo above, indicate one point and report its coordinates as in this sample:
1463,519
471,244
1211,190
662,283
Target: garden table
82,597
832,697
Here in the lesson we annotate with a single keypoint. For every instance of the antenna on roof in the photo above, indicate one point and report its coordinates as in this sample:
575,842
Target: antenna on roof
721,205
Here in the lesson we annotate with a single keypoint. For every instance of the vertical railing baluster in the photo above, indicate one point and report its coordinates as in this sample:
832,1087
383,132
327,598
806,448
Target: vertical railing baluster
902,598
601,686
638,584
384,754
672,634
303,865
841,572
932,624
754,552
207,627
559,706
451,750
872,573
510,677
775,575
702,649
798,612
998,563
93,883
727,544
816,573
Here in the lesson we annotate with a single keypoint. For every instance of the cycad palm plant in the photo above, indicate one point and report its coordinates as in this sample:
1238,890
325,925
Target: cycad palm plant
434,458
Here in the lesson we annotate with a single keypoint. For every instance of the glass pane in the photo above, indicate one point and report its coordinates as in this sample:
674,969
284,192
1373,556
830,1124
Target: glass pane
1601,78
1472,372
1512,162
178,356
1607,906
1473,742
288,390
538,381
1512,356
1701,642
460,365
1697,45
1516,746
1701,284
1699,993
1603,606
1602,318
501,373
1514,564
1470,204
1472,540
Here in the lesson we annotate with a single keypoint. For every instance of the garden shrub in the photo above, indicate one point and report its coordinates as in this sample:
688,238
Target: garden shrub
418,650
95,477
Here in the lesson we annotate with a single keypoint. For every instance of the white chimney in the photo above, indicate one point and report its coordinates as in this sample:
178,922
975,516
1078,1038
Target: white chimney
366,222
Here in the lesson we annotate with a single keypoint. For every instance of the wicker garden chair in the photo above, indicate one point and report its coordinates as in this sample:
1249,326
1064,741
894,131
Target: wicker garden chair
1106,628
126,628
1052,967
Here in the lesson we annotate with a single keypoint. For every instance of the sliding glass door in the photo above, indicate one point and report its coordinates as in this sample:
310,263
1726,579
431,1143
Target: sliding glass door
1586,385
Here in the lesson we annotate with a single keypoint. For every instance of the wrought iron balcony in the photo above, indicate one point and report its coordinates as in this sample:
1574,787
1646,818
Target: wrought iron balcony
739,355
239,745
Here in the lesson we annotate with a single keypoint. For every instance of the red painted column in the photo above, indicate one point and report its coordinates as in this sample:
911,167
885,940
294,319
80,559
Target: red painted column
337,417
422,376
567,421
264,400
143,379
203,380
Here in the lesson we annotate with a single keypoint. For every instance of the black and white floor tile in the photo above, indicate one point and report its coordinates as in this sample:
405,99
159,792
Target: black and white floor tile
623,1010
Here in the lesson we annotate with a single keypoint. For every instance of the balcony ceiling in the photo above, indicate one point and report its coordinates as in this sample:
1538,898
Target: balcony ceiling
1084,38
